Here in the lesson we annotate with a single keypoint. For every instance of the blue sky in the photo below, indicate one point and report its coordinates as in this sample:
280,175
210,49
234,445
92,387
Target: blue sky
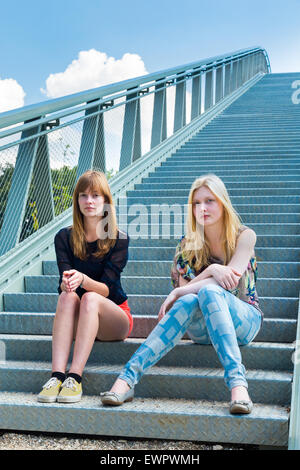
42,38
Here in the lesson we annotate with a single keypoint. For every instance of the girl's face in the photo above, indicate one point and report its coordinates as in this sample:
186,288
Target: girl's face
91,203
207,209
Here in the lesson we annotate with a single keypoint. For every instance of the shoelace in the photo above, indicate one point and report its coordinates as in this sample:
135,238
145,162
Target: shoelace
51,383
69,383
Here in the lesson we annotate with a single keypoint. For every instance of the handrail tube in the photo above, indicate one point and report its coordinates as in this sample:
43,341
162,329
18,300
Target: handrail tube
25,113
92,146
88,105
45,120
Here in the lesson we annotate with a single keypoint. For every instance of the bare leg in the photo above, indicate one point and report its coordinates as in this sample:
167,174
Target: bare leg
99,318
63,329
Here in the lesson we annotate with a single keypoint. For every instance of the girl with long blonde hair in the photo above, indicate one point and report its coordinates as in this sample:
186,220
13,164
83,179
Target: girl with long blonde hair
92,304
214,298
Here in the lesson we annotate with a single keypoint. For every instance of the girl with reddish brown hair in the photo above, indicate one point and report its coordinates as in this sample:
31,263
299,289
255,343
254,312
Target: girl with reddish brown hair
92,305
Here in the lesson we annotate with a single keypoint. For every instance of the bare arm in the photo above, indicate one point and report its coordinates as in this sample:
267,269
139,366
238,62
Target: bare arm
226,276
73,279
244,250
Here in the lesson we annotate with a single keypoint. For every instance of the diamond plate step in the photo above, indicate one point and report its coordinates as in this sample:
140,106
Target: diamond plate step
257,355
154,285
149,304
162,268
177,192
194,383
194,420
281,330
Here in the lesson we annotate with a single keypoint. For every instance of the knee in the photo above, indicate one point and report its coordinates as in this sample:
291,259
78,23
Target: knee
90,300
68,298
209,290
68,304
189,300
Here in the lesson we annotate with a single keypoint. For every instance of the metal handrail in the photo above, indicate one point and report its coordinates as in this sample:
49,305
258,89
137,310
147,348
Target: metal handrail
27,113
32,200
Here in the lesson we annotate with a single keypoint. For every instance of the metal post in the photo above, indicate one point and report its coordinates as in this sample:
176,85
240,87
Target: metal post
227,79
247,68
234,75
42,183
196,96
255,64
239,73
208,102
131,138
159,121
219,83
180,104
92,147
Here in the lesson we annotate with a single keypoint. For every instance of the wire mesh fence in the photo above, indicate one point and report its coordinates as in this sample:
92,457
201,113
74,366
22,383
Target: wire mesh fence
40,164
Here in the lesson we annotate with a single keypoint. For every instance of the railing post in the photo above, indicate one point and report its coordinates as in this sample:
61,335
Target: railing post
159,121
239,73
247,68
262,62
180,104
251,65
131,138
227,79
234,71
219,83
42,183
92,146
196,96
24,170
256,63
208,102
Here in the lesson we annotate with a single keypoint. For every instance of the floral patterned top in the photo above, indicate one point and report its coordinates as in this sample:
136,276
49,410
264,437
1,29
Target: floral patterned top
246,288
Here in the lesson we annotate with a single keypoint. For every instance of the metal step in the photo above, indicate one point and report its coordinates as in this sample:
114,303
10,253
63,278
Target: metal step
162,268
281,330
193,383
160,285
194,420
256,355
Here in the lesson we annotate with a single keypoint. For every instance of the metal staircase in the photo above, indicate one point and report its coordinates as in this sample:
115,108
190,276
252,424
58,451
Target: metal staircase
254,146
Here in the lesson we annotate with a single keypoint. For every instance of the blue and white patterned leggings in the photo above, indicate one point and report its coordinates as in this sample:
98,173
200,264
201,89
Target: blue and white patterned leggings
213,316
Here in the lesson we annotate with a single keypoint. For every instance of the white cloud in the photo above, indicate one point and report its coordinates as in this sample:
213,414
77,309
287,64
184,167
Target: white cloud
93,69
11,94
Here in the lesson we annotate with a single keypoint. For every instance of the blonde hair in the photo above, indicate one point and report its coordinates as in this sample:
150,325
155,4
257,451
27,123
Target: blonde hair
94,181
194,247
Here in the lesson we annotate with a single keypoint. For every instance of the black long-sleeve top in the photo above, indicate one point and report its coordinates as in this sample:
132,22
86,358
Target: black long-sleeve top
106,269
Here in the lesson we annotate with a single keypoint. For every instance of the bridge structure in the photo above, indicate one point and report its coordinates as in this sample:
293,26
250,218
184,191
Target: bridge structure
152,136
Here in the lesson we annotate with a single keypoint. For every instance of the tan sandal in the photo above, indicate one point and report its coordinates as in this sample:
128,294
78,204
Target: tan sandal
240,407
116,399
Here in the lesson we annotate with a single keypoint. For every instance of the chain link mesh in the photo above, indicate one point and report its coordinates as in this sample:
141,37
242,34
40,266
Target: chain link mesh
56,156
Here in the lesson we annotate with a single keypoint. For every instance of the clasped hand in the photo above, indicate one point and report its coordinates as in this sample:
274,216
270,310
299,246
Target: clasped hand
226,276
71,280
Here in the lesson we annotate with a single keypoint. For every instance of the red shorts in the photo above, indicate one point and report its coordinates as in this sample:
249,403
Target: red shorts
125,307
